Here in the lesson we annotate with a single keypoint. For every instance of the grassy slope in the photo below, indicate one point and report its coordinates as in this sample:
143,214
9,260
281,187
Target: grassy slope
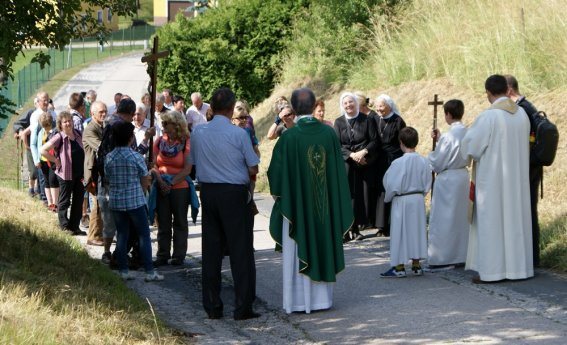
449,48
52,292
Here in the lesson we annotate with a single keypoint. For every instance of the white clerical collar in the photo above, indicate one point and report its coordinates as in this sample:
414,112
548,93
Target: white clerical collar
299,117
388,116
351,117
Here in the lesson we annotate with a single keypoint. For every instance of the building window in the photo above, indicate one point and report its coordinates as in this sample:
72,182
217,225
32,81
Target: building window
109,15
99,16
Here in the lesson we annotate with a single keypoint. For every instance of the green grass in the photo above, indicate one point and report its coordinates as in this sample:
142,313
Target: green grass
52,292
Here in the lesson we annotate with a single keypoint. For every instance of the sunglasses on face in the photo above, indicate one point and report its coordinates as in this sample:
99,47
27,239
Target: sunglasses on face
287,115
241,118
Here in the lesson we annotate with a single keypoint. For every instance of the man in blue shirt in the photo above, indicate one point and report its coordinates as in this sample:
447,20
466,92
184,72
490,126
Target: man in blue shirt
226,160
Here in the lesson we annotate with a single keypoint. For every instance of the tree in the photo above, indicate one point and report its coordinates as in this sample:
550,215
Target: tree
239,45
50,24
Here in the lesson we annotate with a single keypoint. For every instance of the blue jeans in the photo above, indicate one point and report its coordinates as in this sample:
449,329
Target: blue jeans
138,220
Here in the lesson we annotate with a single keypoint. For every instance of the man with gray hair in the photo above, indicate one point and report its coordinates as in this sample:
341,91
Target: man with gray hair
92,137
311,211
197,113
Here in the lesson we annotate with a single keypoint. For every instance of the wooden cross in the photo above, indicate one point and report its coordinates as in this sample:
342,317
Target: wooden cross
434,103
152,60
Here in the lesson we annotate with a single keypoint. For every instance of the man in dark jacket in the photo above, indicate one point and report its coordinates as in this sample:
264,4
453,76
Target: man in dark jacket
536,171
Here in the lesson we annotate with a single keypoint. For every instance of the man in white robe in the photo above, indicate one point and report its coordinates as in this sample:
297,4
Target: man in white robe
406,182
500,242
448,222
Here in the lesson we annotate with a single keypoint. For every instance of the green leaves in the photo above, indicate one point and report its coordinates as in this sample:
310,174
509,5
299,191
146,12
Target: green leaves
51,24
238,46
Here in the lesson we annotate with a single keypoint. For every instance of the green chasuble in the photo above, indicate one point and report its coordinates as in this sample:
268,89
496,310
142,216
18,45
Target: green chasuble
308,178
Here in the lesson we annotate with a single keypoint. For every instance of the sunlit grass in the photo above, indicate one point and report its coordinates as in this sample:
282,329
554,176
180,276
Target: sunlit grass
52,292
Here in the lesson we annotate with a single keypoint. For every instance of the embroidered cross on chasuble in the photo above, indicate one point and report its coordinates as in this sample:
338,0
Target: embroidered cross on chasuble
307,176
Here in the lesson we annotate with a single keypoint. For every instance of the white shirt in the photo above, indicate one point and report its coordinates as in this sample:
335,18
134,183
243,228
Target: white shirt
196,116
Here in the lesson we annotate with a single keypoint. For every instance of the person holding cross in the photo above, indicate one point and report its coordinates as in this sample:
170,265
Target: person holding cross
448,223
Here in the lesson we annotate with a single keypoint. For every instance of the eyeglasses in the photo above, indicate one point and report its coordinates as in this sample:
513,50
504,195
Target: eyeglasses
241,118
286,115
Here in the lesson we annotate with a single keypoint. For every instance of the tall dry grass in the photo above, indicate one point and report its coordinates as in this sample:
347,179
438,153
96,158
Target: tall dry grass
467,40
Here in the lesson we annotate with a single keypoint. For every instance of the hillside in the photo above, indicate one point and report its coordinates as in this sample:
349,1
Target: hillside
447,48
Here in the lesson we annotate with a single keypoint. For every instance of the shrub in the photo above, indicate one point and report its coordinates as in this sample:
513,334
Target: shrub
238,46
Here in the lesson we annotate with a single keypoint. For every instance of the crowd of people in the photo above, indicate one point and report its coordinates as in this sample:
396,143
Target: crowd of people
329,182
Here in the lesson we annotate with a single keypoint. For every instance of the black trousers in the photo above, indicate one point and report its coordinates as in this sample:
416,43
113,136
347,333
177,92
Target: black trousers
226,223
536,172
72,189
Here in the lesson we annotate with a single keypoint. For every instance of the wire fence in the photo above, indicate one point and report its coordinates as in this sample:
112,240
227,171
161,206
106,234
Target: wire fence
31,78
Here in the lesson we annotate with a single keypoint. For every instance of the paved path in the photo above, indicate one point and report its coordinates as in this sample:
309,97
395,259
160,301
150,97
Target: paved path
443,307
126,74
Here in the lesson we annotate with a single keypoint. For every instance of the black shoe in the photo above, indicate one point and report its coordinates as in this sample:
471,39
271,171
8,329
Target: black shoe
215,315
78,232
159,262
106,258
176,262
247,316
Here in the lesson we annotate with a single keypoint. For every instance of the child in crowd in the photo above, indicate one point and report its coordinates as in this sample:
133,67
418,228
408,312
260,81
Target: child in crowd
448,221
406,182
128,176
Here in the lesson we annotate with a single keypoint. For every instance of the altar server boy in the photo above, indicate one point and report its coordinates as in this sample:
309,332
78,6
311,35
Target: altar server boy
406,182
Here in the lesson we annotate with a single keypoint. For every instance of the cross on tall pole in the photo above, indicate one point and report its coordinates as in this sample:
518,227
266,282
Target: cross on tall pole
434,103
152,60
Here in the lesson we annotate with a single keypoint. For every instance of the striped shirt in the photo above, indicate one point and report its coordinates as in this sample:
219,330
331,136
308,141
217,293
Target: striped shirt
123,168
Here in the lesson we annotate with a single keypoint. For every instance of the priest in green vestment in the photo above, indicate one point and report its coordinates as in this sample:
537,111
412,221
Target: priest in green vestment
312,209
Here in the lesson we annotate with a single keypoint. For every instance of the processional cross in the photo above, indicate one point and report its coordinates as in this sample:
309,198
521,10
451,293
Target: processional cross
434,103
152,60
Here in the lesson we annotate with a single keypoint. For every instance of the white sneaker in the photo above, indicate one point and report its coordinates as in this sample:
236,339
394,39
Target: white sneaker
153,277
126,275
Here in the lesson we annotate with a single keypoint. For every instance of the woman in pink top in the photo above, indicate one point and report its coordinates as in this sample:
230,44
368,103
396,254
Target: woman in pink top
171,169
65,149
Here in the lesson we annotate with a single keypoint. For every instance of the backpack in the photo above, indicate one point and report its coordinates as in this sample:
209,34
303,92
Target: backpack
546,140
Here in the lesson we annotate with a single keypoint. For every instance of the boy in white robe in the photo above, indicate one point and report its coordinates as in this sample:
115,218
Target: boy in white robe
406,183
448,222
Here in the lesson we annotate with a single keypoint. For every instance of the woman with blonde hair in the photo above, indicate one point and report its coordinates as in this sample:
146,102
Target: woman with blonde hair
171,170
51,183
68,156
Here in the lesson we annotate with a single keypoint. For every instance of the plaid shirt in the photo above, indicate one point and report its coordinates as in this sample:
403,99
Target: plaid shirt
123,168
